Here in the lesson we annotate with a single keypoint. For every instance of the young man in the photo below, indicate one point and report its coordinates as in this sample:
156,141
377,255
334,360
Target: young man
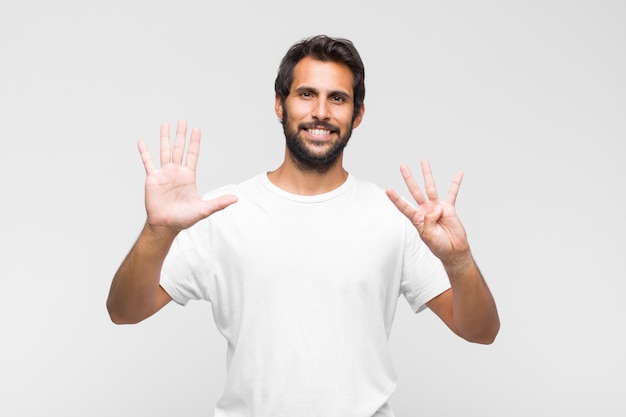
305,264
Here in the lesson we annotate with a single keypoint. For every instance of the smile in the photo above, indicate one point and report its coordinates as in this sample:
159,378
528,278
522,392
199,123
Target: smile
319,132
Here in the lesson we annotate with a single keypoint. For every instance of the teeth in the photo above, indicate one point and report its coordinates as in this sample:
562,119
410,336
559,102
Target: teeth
319,132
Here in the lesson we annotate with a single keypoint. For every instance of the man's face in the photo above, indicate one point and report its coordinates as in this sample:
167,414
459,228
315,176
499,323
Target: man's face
317,113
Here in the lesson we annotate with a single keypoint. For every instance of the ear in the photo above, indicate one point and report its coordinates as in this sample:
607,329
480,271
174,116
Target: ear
278,107
359,117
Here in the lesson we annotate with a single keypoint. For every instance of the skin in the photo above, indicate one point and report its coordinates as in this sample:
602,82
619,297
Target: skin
468,308
321,94
172,205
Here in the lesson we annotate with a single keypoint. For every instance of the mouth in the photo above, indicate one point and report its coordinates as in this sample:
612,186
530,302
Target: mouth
319,132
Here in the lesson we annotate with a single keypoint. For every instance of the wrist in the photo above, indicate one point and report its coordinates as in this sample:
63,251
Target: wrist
159,233
458,264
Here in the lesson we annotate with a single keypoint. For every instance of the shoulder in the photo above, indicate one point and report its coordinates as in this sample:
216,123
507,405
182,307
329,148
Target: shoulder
242,189
372,202
373,193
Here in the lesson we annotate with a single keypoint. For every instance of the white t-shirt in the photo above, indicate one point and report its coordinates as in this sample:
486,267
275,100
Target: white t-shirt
304,289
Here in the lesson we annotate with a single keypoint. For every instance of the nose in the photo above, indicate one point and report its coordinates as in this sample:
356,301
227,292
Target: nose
320,109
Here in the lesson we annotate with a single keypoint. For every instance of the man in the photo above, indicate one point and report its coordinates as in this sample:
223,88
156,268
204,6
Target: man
303,265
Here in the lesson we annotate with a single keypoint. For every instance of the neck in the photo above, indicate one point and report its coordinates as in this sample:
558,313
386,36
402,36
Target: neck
297,180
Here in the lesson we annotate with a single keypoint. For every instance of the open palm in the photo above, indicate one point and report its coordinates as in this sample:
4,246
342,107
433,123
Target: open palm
172,200
436,220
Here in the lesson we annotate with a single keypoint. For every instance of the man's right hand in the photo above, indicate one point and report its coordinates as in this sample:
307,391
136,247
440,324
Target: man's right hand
172,204
172,201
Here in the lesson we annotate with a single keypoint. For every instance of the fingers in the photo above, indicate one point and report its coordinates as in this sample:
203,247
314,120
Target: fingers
194,149
165,144
454,188
145,157
412,185
178,150
429,185
405,208
429,181
175,154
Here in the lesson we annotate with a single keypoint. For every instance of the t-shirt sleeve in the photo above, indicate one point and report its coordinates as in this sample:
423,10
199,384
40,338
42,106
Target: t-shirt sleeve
190,263
423,274
186,268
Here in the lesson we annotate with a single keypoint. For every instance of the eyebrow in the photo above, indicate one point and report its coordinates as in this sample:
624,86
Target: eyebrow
304,88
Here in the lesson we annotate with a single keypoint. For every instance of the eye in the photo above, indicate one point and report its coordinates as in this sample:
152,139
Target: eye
306,94
338,99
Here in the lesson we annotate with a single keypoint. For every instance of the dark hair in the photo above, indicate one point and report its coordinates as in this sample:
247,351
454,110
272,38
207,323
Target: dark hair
327,49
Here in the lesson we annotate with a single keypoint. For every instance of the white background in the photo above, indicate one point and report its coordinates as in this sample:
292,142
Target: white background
528,98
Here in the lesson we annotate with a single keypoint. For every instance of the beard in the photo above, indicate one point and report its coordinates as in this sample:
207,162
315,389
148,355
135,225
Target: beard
303,154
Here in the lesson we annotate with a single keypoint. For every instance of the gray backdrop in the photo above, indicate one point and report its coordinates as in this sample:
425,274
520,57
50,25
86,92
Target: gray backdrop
526,97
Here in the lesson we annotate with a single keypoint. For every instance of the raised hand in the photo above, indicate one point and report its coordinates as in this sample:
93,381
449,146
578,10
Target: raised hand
436,220
172,201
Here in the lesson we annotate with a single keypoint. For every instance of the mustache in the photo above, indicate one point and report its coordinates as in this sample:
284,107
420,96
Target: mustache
319,125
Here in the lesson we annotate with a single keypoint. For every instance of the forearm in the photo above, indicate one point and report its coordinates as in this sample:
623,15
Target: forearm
475,315
134,289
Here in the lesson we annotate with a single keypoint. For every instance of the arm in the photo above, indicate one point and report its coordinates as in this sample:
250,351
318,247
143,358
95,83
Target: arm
172,205
468,308
135,292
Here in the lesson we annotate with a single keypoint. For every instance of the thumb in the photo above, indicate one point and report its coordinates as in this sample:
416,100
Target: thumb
211,206
431,218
